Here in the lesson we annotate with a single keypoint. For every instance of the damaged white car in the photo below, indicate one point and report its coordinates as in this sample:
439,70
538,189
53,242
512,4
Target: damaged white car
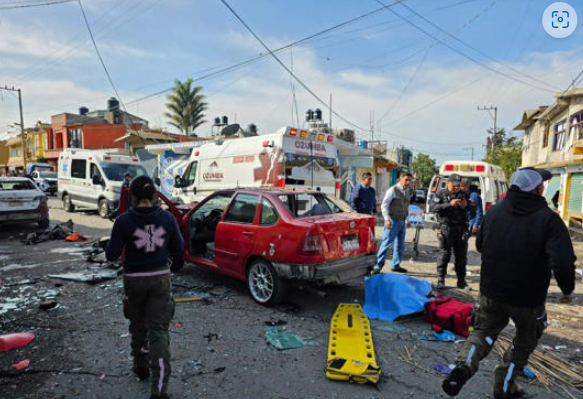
21,201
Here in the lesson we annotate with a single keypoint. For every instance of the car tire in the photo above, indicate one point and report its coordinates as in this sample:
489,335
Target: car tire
67,205
103,208
176,263
44,223
264,284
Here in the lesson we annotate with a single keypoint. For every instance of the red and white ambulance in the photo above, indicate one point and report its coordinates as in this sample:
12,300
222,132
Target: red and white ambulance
290,158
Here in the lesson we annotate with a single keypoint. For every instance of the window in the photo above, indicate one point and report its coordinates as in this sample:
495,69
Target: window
190,174
546,136
308,204
17,185
559,140
576,129
75,138
78,168
242,209
219,202
268,213
94,171
117,171
303,169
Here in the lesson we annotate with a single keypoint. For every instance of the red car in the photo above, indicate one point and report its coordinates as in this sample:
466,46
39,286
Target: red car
271,237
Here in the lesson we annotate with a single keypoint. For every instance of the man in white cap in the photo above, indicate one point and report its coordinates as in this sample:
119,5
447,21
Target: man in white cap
522,243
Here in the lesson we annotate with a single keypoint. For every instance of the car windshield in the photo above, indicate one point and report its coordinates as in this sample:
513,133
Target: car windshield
47,175
420,192
116,171
312,204
17,185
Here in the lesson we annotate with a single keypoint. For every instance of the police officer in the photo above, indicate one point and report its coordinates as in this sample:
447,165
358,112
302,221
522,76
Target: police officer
452,206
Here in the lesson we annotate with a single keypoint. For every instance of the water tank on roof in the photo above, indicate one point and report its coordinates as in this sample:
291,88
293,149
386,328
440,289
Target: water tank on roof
318,114
217,120
83,110
112,104
309,115
225,120
363,144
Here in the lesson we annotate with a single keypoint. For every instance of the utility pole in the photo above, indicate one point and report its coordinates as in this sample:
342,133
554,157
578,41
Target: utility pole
494,117
471,149
330,117
21,123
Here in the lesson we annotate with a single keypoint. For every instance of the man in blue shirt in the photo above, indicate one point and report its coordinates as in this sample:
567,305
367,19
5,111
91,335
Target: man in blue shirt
363,198
477,215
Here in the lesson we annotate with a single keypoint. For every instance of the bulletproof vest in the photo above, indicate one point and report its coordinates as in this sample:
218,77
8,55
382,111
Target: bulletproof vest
399,206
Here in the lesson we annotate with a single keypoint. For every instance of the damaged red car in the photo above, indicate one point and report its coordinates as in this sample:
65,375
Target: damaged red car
270,238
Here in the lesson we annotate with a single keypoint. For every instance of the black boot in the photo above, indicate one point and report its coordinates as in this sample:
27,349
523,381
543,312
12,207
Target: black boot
461,283
440,282
143,373
453,383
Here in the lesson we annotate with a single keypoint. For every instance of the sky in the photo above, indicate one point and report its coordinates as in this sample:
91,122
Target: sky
416,73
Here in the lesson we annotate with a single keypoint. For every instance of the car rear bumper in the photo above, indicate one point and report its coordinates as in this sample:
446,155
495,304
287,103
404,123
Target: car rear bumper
333,272
35,215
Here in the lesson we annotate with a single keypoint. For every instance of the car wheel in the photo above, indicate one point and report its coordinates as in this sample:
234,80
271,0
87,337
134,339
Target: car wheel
67,205
176,263
43,224
265,286
103,208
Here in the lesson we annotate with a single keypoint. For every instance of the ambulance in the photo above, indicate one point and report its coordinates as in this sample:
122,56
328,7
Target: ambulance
92,179
488,179
290,158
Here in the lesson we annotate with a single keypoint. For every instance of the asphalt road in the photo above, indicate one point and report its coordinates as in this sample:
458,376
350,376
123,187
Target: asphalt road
82,346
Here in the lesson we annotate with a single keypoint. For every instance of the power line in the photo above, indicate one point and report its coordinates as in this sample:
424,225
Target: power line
485,66
44,3
288,70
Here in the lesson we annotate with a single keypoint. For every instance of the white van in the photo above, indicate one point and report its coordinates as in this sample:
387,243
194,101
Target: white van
487,178
92,179
291,158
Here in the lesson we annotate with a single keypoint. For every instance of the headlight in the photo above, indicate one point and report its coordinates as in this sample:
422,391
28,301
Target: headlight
40,198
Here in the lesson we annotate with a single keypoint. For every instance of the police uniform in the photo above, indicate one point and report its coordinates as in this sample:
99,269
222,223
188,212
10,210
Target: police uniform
453,231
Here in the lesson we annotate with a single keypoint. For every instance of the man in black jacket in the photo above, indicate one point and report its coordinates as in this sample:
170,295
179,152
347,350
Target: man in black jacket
522,243
452,206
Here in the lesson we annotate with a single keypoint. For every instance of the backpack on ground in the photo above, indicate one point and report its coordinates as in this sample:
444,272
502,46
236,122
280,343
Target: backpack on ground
450,314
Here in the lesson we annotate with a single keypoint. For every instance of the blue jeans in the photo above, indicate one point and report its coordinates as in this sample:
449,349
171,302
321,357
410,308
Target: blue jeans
396,236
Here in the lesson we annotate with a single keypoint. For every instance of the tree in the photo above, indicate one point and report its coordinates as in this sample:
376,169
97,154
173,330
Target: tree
507,152
186,105
424,168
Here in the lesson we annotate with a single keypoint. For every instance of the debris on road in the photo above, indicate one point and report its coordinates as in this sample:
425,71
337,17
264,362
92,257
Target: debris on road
21,365
444,336
90,278
282,340
442,368
16,340
58,232
273,323
47,305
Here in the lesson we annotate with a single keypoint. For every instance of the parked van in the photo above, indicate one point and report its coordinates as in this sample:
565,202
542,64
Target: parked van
291,158
92,179
43,175
488,179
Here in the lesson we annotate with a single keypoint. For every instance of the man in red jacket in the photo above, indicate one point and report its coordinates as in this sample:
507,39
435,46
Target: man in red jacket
522,243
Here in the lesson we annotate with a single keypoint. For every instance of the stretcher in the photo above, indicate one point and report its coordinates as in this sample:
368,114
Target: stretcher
351,354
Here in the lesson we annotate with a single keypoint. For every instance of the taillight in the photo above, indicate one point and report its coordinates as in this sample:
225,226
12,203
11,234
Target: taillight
107,158
330,139
196,153
371,240
314,244
135,160
280,183
488,205
337,185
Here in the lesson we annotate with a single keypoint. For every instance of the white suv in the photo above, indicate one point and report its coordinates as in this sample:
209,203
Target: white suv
22,201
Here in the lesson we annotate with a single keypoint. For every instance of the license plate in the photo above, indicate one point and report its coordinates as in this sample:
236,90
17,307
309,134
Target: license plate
350,243
14,203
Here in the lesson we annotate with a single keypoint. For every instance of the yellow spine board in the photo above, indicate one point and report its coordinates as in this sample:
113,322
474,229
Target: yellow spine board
351,354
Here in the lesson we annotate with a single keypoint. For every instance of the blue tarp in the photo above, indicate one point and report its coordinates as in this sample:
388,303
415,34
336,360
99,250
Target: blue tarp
388,296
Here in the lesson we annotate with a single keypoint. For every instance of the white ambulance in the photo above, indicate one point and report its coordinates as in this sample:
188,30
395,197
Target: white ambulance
291,158
92,179
488,179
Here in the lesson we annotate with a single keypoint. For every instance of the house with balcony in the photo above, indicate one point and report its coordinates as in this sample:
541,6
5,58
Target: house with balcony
553,139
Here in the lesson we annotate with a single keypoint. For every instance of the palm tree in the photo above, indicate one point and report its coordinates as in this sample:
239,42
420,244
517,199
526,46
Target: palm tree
186,107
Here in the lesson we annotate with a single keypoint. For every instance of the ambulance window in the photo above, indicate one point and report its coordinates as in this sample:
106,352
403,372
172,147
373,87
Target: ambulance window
268,213
190,174
78,168
242,209
94,171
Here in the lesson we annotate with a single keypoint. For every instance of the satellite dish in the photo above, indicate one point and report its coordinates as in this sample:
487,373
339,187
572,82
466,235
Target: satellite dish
230,130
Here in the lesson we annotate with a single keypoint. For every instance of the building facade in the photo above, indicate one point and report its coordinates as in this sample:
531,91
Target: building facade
553,139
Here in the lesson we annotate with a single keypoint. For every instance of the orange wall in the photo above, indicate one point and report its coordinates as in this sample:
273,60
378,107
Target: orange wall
98,135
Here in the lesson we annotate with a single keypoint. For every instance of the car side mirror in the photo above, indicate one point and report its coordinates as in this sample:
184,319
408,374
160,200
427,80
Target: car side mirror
97,180
177,181
157,181
194,190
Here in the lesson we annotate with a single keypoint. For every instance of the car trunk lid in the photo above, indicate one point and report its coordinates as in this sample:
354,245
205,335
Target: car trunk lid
18,200
346,234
